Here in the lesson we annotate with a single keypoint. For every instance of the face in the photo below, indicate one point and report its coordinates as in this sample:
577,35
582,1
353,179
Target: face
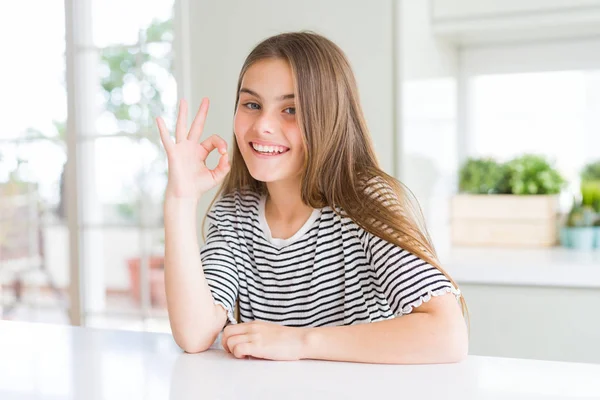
265,124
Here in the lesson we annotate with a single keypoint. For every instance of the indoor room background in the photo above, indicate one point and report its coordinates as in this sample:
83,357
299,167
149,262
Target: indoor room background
489,111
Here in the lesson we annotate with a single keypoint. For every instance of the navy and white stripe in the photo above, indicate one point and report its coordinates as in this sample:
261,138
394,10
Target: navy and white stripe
332,272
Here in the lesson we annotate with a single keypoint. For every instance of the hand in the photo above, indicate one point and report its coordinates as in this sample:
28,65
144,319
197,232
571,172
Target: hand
188,175
264,340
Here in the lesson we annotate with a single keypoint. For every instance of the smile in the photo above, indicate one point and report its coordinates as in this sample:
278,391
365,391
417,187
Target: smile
268,151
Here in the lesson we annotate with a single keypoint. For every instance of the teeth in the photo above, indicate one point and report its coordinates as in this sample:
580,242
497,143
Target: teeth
268,149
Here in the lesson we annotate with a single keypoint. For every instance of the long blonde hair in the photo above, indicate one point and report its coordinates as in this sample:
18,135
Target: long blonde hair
341,169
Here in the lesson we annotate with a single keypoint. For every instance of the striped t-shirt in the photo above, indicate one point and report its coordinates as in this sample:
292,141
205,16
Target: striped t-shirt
330,273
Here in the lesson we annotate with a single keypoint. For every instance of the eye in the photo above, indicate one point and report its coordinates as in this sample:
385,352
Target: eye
290,110
252,106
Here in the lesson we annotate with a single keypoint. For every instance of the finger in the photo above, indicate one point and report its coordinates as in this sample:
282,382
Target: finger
222,169
234,329
165,136
224,343
227,333
181,131
243,349
215,142
198,123
234,341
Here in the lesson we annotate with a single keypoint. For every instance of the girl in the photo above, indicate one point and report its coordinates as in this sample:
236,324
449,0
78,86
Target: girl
320,249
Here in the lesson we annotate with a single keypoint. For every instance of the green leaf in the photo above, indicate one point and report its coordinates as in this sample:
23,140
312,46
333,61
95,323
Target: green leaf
591,171
481,176
533,174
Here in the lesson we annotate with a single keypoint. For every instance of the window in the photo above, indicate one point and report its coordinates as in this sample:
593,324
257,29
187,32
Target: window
539,98
120,77
551,113
33,249
121,164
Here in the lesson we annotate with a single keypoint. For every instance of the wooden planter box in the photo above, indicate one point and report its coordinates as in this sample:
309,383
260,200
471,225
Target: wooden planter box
504,220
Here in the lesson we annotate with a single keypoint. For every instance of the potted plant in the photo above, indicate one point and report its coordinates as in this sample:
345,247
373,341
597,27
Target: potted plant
597,233
590,194
532,174
591,171
482,176
506,204
579,232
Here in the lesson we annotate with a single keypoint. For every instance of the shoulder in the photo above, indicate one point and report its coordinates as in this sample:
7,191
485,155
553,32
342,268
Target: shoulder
338,220
384,190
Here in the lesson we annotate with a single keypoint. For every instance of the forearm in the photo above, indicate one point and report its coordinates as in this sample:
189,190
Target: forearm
193,316
417,338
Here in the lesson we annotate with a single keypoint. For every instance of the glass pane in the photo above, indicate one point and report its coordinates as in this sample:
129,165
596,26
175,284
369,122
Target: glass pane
105,267
124,21
136,85
110,174
34,239
152,182
550,113
159,84
41,161
156,250
33,99
34,247
113,272
120,91
124,178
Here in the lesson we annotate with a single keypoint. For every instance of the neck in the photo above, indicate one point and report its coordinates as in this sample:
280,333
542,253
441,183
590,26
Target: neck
284,201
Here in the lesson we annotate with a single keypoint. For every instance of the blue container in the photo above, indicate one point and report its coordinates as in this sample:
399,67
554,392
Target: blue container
583,238
564,235
597,230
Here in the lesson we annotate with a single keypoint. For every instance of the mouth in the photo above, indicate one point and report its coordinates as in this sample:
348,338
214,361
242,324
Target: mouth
268,151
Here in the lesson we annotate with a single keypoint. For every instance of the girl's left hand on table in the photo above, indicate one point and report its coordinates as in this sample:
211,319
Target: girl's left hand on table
264,340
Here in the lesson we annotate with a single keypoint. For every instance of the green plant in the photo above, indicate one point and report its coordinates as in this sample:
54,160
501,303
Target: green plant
527,174
127,211
591,172
137,68
590,185
581,216
590,194
533,174
481,176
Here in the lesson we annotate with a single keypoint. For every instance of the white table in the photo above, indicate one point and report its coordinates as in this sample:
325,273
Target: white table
40,361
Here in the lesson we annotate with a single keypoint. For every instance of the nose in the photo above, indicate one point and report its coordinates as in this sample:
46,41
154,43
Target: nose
266,123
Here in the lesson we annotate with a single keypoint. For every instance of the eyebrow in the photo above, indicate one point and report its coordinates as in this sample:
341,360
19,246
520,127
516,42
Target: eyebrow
253,93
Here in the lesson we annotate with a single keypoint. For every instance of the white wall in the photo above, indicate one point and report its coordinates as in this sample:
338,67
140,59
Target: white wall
222,33
428,89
